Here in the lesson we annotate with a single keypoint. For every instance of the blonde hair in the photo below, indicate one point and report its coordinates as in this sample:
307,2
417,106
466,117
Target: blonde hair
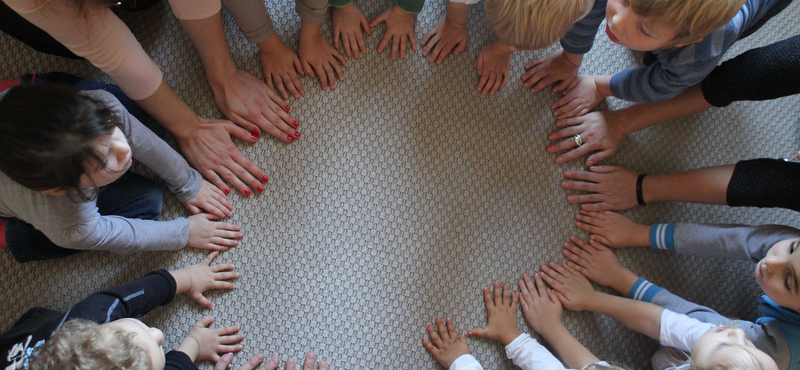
534,24
692,19
85,345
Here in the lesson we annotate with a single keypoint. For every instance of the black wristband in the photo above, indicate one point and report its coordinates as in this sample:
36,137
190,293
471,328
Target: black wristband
639,196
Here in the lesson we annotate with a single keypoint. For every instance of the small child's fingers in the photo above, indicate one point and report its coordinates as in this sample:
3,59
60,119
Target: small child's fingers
224,242
403,46
514,300
559,268
330,74
484,79
210,258
193,209
586,227
540,287
384,41
451,329
222,267
599,242
336,34
551,277
223,285
230,339
487,298
430,347
230,275
227,330
433,39
460,47
229,348
498,294
322,365
523,287
346,43
530,286
442,329
502,83
580,243
506,295
583,270
204,322
365,25
555,297
435,338
291,364
272,364
563,85
202,300
362,47
308,363
226,226
413,41
543,83
523,301
574,258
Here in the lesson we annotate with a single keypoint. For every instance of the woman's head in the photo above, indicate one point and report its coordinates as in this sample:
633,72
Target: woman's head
56,140
725,348
778,274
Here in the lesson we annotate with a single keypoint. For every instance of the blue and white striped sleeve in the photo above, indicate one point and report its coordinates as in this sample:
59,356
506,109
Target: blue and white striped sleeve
654,83
580,38
644,290
662,237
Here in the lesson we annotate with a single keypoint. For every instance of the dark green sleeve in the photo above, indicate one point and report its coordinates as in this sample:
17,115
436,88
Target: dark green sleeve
339,3
411,6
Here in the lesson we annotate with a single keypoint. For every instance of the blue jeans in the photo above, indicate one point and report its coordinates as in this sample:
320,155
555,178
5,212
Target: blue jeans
131,196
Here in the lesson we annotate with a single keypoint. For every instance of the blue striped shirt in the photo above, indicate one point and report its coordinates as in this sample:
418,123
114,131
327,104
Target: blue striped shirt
675,69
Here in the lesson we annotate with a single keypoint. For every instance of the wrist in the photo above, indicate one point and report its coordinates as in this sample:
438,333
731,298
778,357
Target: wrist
219,71
191,347
457,14
270,44
574,59
501,48
509,336
309,31
553,330
183,281
624,281
640,236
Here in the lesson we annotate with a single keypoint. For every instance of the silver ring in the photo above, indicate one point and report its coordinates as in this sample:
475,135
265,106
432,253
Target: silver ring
578,140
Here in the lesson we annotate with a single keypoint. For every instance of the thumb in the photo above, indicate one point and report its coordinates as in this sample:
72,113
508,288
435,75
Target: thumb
200,298
365,25
380,18
479,332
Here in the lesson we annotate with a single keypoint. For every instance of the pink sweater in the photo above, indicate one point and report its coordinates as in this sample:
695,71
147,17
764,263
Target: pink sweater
102,38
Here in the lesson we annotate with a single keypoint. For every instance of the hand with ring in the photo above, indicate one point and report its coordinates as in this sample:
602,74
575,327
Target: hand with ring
599,132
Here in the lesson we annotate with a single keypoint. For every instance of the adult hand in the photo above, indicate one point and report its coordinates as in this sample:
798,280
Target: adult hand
399,30
251,104
582,95
609,187
224,363
447,36
281,67
318,57
493,65
559,66
600,132
348,21
211,151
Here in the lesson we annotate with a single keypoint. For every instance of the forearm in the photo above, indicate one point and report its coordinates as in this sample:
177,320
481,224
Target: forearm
208,37
572,352
603,84
183,281
706,185
640,116
170,111
457,13
190,347
642,317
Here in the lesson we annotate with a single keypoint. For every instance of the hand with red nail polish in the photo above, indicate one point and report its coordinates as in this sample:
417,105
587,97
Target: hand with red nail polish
447,345
260,189
211,200
295,124
264,178
247,192
501,309
296,134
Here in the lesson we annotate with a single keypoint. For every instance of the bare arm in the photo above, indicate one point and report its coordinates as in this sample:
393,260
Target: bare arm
642,317
574,354
643,115
705,185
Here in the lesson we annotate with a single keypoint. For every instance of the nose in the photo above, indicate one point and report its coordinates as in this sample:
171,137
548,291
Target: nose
738,335
773,265
157,334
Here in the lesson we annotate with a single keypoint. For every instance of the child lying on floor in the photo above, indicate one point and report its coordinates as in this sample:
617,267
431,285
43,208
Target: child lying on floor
542,311
712,346
103,332
771,247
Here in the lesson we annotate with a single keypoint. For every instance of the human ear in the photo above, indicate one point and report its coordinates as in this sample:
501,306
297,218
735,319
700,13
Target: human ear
55,191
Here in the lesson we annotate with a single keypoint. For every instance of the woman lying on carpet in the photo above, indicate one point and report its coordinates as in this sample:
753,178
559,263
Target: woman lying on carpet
65,185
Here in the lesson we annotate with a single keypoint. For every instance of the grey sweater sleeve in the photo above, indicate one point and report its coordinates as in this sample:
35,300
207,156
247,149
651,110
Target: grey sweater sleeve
252,18
749,243
765,336
150,150
312,11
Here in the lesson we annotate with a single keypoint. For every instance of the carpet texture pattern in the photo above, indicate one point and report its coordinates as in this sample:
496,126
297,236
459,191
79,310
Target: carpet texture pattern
408,192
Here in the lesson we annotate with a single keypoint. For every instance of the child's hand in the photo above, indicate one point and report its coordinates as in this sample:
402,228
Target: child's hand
204,343
348,21
319,58
207,234
203,277
447,345
600,133
446,36
211,200
572,288
493,64
502,312
559,66
540,305
610,187
281,67
613,229
582,95
224,363
399,27
599,264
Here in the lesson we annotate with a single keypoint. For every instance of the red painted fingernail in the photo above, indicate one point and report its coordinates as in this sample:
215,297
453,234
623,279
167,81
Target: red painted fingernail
247,192
287,108
227,191
289,138
295,123
255,132
254,137
296,134
264,178
429,326
260,189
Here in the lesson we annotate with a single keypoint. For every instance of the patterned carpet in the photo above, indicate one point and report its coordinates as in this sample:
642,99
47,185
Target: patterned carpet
409,192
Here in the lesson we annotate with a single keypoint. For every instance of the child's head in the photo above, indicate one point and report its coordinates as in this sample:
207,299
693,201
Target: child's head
647,25
725,348
55,139
778,274
534,24
85,345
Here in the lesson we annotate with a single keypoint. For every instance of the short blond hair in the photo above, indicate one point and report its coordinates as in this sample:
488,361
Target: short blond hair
86,345
534,24
692,19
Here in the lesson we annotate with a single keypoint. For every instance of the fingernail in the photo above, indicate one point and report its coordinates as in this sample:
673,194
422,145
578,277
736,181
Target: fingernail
255,132
289,138
264,178
253,137
228,356
429,326
423,340
260,189
227,191
295,124
297,134
259,356
287,108
247,192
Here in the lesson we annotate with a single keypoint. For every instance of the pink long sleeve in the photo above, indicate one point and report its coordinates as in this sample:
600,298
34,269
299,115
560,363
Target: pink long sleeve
100,37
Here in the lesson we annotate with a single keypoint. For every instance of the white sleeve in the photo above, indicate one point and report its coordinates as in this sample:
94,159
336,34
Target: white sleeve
681,331
466,362
468,2
528,354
